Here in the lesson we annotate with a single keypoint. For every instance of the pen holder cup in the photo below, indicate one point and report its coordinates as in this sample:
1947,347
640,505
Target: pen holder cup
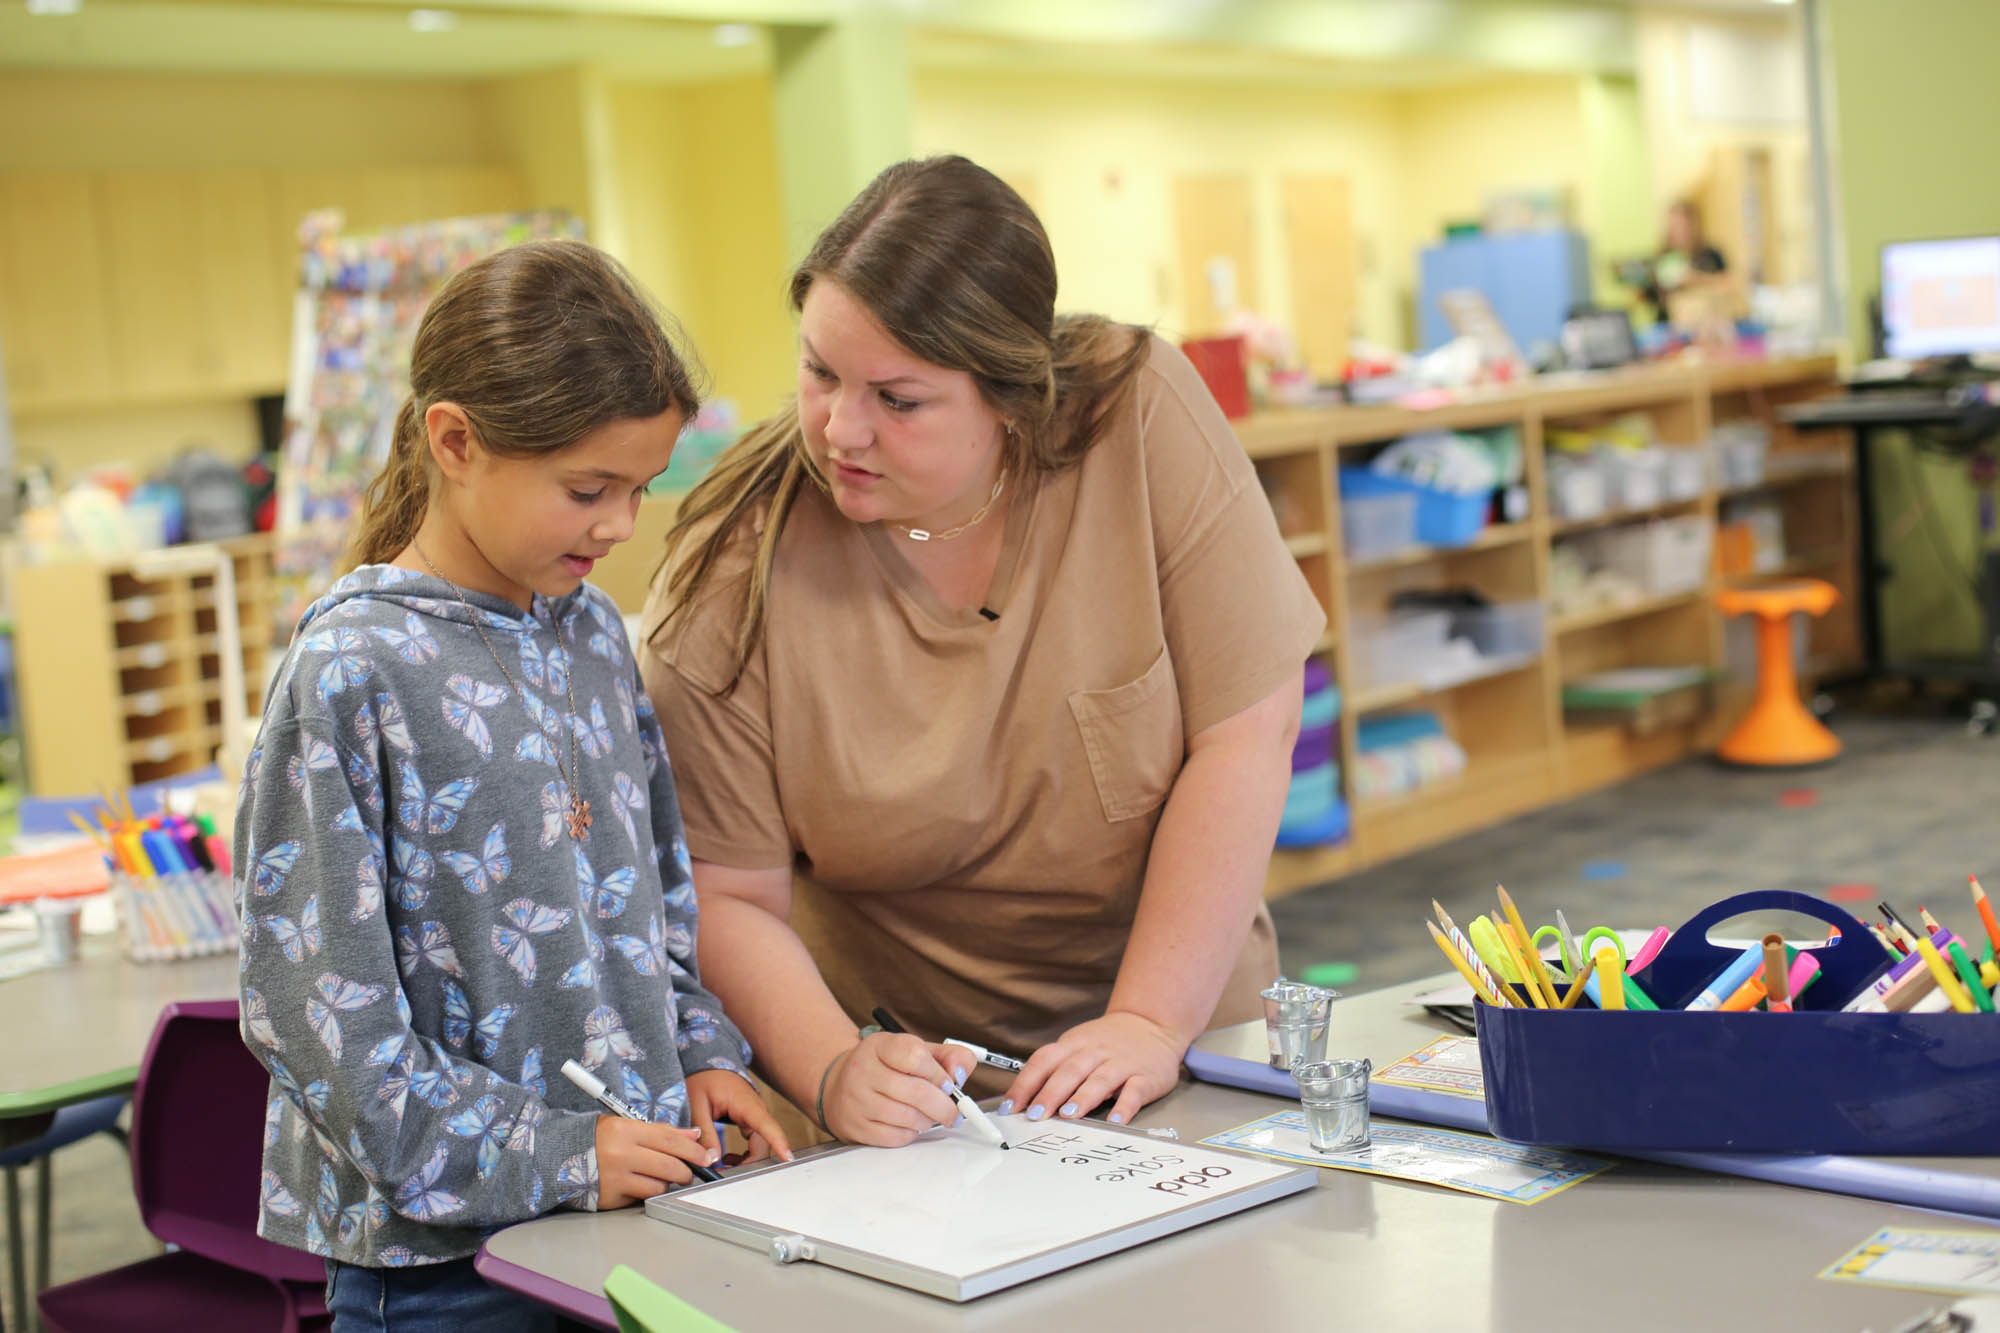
1813,1081
1295,1021
185,915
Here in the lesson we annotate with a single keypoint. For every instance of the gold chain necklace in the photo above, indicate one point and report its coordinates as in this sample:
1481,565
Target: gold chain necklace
924,535
579,809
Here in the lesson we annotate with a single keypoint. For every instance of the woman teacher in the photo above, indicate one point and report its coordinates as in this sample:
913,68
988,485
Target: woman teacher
980,668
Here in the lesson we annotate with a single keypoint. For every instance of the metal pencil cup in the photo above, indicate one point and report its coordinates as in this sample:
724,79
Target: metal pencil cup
1334,1096
1295,1020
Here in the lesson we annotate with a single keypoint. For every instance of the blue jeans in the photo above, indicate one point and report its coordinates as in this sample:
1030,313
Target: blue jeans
429,1298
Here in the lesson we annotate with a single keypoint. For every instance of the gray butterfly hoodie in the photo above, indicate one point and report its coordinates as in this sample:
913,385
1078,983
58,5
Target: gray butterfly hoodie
423,944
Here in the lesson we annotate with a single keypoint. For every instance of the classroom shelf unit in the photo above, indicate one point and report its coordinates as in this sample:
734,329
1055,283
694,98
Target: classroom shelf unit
1521,752
119,671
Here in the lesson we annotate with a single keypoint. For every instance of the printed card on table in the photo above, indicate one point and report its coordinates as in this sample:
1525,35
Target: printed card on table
1472,1163
1953,1261
1449,1065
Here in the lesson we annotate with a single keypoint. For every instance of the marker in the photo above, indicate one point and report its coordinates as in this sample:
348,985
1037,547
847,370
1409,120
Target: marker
1777,988
594,1087
1947,983
1487,944
986,1057
1804,971
966,1106
1731,977
1610,991
1648,951
1968,973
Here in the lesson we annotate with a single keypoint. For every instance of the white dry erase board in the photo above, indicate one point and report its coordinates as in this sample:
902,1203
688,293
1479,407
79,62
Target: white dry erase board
954,1216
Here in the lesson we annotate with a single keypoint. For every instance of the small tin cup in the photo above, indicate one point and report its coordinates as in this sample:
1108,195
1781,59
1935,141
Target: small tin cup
59,928
1334,1096
1295,1021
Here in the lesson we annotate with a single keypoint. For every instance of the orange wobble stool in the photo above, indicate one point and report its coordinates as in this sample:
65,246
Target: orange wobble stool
1778,731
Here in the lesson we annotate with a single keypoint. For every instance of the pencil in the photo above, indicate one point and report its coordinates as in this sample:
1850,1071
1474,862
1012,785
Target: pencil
84,826
1575,991
1520,964
1930,922
1465,949
1472,978
1985,910
1537,974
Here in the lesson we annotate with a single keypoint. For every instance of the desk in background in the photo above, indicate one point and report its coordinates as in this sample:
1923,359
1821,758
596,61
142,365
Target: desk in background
1638,1248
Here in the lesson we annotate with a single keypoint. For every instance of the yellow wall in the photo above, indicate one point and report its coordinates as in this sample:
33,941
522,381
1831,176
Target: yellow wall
94,121
76,441
1103,153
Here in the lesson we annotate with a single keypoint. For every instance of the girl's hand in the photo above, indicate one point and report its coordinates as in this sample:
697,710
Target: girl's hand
637,1159
724,1094
890,1088
1119,1054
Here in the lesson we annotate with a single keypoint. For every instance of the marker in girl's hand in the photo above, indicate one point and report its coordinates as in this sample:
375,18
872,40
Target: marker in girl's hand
594,1088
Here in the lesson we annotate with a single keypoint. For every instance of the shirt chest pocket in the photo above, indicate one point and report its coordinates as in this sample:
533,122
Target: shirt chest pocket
1133,739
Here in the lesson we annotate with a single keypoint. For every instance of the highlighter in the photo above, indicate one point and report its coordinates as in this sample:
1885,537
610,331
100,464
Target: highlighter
1730,978
1486,943
1611,995
1961,961
1635,998
1945,980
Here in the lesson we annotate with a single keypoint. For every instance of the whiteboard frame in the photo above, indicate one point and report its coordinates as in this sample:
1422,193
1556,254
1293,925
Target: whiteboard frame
675,1210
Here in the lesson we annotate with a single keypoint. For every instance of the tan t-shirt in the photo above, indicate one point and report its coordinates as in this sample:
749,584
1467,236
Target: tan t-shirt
969,802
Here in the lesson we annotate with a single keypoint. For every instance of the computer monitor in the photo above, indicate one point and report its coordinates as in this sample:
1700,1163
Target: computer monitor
1941,298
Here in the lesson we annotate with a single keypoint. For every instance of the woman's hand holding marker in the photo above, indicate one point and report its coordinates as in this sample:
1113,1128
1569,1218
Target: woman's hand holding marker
889,1088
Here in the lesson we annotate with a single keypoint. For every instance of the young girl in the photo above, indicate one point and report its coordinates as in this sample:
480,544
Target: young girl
460,852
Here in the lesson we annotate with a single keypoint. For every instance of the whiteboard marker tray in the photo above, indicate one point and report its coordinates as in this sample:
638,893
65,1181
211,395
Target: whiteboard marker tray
953,1216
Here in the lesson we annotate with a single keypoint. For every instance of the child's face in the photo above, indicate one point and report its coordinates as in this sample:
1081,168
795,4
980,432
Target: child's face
897,438
542,521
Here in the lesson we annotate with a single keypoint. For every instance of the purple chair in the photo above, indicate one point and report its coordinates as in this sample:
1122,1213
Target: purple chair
197,1157
70,1124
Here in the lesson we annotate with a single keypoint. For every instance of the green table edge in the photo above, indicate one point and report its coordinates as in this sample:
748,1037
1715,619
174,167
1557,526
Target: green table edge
53,1098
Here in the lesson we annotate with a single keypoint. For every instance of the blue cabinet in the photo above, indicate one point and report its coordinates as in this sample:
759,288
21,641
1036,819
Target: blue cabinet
1531,280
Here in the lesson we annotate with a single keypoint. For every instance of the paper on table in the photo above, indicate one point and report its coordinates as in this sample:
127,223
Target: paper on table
1954,1261
1449,1065
1472,1163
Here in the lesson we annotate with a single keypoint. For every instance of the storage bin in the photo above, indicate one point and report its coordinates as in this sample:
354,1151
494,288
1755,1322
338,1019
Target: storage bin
1637,477
1396,648
1663,557
1577,488
1510,629
1314,747
1813,1081
1686,473
1223,364
1740,449
1443,518
1376,525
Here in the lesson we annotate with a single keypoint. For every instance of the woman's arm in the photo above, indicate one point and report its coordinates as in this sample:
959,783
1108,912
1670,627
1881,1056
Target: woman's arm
886,1089
1204,879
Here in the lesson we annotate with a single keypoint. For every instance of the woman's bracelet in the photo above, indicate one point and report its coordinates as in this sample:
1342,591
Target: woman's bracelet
819,1102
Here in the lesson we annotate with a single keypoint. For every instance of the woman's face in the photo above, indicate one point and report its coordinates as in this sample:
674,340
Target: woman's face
898,439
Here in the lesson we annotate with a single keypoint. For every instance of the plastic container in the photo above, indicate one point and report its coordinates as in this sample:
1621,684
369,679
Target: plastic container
1397,648
1578,488
1314,747
1443,518
1740,449
1223,364
1637,477
1813,1081
1663,557
1686,474
1510,629
1375,525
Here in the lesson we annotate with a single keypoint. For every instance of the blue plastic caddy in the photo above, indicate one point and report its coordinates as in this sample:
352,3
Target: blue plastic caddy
1813,1081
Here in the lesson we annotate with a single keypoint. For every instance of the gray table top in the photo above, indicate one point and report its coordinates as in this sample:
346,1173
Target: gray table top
1641,1247
78,1030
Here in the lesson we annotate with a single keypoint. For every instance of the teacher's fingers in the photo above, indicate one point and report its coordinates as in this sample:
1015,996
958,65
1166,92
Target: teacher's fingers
1140,1091
1033,1074
1058,1095
1101,1083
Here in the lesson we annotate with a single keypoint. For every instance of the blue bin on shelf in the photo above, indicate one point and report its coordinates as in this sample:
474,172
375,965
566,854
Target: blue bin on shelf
1444,518
1814,1081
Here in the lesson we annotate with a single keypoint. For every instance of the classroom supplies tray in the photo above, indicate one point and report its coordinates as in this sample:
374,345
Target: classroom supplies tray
1813,1081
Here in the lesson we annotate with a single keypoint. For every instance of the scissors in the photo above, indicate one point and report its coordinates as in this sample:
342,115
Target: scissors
1576,955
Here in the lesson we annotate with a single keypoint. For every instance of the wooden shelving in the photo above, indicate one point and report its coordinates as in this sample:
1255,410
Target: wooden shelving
1497,536
1611,615
118,667
1520,754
